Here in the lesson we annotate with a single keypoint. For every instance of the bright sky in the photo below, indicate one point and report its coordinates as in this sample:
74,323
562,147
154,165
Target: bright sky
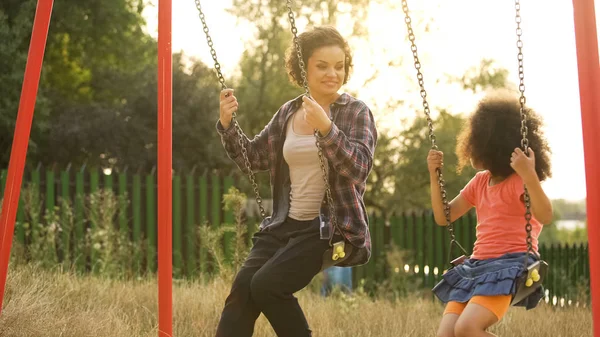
463,32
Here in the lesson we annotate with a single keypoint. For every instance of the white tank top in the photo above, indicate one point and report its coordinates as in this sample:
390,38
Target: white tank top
308,187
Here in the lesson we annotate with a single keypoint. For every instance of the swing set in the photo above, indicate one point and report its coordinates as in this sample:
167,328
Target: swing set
529,282
589,85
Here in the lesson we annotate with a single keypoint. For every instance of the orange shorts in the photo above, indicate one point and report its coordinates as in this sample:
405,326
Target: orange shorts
497,304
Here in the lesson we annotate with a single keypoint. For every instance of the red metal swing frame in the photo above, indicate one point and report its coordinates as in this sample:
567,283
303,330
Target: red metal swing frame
589,87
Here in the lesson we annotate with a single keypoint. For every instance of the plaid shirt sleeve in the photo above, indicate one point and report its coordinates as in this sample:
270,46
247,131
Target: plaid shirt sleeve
257,148
351,153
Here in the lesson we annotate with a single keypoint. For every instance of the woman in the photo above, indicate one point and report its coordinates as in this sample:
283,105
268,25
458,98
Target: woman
288,248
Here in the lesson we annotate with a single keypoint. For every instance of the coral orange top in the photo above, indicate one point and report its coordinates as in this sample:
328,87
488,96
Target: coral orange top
500,216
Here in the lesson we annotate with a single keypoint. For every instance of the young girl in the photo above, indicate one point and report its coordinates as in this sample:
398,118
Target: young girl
479,291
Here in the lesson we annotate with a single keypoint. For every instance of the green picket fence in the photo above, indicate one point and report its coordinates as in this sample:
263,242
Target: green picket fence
197,200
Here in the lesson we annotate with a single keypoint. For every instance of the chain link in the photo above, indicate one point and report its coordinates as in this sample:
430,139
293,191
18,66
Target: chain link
236,125
441,182
298,48
330,204
524,130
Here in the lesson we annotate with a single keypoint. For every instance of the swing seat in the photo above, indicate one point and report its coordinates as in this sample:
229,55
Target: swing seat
526,284
337,253
529,282
459,260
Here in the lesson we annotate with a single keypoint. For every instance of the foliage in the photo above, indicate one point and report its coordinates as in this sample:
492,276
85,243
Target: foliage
235,201
484,76
572,210
111,246
565,210
51,238
16,20
42,232
97,98
85,62
551,234
315,12
213,237
97,101
400,180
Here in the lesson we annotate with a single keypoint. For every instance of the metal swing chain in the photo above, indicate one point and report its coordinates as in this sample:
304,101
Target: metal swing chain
441,182
307,92
298,48
238,129
524,141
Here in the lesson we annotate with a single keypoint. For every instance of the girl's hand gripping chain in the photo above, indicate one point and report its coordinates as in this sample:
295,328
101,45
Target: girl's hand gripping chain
523,164
435,160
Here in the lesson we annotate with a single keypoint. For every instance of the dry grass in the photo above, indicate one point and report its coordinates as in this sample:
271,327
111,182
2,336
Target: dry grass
42,303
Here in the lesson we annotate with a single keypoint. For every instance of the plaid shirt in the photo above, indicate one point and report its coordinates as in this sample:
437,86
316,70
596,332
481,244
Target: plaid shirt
349,148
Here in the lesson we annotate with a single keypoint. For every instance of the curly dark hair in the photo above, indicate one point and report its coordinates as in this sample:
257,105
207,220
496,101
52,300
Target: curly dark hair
323,36
493,131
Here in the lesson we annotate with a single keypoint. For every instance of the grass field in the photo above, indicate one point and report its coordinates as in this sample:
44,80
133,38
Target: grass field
43,303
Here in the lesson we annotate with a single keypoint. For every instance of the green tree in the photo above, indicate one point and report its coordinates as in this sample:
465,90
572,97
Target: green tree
315,12
95,55
126,137
571,210
551,234
16,20
484,76
264,86
400,180
195,108
97,101
566,210
95,49
412,177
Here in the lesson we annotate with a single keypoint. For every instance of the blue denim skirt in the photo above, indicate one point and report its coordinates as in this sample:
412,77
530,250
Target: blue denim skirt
489,277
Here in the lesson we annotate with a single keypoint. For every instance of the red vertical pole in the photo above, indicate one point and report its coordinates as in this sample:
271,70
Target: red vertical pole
18,152
589,93
165,132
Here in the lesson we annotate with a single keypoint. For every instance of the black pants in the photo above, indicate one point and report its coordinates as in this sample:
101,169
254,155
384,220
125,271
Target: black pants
282,261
